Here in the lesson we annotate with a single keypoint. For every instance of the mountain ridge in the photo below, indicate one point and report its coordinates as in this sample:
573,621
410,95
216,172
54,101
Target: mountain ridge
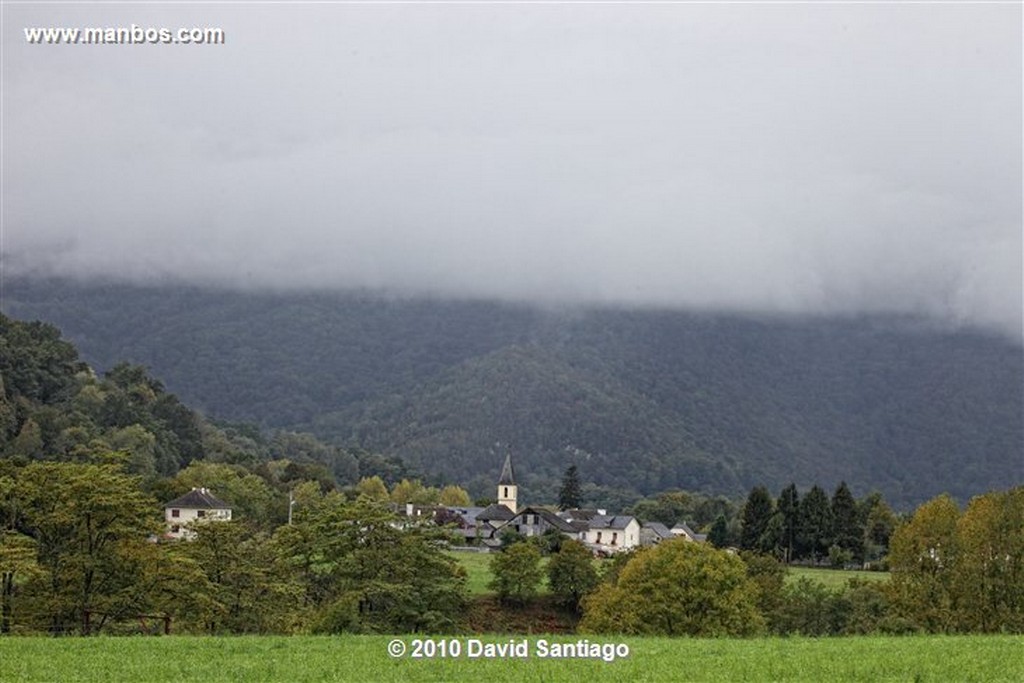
641,400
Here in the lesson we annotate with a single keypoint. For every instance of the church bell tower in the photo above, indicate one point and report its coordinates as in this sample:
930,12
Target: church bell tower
507,492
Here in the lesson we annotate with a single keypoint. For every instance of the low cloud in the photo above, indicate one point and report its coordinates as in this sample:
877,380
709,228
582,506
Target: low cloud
786,158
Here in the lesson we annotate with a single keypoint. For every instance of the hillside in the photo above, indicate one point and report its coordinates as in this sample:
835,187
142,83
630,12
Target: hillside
641,400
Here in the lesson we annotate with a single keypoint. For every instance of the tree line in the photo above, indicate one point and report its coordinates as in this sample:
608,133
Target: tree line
812,528
952,571
81,540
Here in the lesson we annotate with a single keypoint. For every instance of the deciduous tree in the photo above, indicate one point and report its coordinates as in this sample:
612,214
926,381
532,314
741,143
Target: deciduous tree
677,588
516,573
571,573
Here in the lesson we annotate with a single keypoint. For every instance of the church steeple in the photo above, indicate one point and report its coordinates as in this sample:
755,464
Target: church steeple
507,490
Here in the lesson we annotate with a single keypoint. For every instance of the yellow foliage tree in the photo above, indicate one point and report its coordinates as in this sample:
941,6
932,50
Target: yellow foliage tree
677,588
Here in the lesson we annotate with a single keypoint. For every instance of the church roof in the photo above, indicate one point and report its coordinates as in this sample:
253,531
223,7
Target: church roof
507,474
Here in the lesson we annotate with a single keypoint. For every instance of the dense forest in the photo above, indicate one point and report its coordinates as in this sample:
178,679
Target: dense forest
641,401
85,461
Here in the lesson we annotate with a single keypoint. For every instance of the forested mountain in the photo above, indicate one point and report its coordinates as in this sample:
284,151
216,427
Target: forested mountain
641,401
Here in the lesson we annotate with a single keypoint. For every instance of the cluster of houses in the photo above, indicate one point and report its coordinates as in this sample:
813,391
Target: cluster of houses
484,527
604,534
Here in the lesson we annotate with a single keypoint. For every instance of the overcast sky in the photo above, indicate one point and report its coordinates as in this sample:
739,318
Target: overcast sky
829,158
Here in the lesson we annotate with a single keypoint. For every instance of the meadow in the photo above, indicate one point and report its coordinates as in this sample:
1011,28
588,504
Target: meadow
366,659
478,574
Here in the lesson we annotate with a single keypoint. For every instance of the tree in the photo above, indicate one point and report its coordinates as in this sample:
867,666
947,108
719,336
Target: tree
361,573
516,573
571,574
249,495
246,590
879,523
676,588
815,531
756,520
719,534
17,564
672,507
989,570
571,493
789,511
922,554
454,496
847,530
86,520
373,488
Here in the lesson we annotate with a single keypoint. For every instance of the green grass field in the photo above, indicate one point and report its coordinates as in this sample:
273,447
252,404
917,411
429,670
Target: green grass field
987,659
479,574
833,578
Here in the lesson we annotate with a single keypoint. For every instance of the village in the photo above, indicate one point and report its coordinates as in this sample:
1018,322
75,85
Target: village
478,528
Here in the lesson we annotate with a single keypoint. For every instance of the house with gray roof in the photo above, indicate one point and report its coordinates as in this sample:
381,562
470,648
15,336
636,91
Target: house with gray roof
535,521
684,531
653,533
198,505
612,533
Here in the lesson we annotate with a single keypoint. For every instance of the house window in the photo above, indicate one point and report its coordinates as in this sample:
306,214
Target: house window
200,513
175,513
175,529
505,495
598,536
615,538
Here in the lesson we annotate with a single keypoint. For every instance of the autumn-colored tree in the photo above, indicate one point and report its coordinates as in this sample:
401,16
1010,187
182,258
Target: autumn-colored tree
86,520
372,488
677,588
989,572
413,491
454,496
922,556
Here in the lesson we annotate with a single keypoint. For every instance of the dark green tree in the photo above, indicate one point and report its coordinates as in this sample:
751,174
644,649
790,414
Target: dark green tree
788,507
847,530
571,574
516,573
756,520
879,523
718,536
815,532
571,493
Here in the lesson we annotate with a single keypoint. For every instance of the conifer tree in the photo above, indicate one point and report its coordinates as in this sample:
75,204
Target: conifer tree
571,493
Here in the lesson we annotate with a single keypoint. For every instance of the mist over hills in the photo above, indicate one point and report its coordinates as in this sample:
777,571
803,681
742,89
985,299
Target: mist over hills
641,400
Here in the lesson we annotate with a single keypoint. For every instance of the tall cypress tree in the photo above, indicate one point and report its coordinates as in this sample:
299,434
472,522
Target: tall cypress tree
571,493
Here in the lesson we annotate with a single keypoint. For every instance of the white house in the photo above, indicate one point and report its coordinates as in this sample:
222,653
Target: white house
612,533
197,504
